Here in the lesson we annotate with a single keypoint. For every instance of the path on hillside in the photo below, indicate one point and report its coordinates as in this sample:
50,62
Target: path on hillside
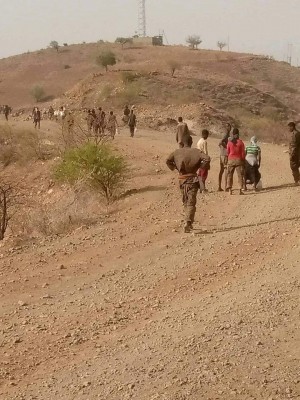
135,309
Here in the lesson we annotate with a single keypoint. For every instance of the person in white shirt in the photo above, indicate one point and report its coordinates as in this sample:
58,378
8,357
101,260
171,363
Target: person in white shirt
203,172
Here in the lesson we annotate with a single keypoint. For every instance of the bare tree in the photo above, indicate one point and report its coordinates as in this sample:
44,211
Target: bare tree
194,41
173,65
221,45
7,202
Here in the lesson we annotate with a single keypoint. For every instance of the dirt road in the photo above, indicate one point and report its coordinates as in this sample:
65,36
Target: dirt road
132,308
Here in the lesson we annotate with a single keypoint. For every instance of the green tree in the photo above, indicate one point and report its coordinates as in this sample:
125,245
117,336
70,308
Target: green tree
96,165
106,58
54,45
37,92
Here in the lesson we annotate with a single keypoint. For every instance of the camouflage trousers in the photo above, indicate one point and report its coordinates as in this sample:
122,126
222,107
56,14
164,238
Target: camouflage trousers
295,165
189,189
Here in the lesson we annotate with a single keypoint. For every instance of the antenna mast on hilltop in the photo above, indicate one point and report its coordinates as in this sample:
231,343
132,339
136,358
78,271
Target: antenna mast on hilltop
142,18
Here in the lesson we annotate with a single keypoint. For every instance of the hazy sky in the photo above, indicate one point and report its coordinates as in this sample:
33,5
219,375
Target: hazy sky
255,26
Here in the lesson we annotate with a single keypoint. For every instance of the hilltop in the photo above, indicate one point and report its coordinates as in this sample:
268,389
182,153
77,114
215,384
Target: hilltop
256,92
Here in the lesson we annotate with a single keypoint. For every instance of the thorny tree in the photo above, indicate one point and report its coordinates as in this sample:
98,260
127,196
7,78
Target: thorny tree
8,198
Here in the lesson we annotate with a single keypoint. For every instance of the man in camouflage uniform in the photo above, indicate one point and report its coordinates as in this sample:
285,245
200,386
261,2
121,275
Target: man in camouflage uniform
294,150
187,161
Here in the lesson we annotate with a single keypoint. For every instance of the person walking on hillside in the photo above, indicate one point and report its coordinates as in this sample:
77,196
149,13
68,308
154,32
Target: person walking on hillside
294,152
90,121
51,113
181,132
6,111
126,113
132,122
224,157
187,161
252,163
236,161
36,117
112,124
203,172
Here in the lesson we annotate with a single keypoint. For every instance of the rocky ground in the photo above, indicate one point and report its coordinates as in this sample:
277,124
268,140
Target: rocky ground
132,308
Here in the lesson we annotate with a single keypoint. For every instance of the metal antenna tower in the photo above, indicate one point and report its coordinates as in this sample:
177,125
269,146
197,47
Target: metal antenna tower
142,18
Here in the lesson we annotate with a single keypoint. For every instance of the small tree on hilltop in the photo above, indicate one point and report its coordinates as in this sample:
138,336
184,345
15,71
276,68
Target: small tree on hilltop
105,59
37,92
173,65
194,41
123,41
54,45
221,45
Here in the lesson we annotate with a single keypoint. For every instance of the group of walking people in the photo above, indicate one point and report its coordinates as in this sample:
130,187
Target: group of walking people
98,122
193,164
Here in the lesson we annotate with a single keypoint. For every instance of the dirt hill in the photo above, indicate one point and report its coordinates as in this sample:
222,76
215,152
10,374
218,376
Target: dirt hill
116,302
126,306
241,86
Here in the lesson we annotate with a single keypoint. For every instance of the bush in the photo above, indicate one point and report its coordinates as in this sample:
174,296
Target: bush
105,59
131,93
96,166
22,146
38,93
67,66
173,65
107,91
128,77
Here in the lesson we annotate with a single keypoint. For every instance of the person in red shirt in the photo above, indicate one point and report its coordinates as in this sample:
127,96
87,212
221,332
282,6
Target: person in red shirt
236,161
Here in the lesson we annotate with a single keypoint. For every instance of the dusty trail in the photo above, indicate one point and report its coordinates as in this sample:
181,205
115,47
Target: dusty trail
134,309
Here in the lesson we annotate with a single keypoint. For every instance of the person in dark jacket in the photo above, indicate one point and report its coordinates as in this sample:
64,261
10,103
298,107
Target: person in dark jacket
187,161
294,151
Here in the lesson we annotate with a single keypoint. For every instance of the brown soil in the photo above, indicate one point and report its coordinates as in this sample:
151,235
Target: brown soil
132,308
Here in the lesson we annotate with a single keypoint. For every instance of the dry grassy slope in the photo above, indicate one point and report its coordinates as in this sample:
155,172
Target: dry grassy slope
208,75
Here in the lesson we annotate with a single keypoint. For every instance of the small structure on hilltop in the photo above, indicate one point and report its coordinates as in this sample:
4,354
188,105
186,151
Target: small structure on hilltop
148,40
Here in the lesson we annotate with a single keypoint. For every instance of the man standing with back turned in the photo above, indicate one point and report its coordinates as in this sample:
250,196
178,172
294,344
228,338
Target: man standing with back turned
224,156
187,161
295,152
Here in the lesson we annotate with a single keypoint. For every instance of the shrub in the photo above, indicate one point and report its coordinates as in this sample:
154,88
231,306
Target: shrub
67,66
128,77
130,93
107,91
65,44
37,92
96,166
105,59
173,65
22,146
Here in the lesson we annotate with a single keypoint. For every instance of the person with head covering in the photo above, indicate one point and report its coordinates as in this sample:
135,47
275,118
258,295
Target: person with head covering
252,163
236,161
187,161
132,122
294,151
